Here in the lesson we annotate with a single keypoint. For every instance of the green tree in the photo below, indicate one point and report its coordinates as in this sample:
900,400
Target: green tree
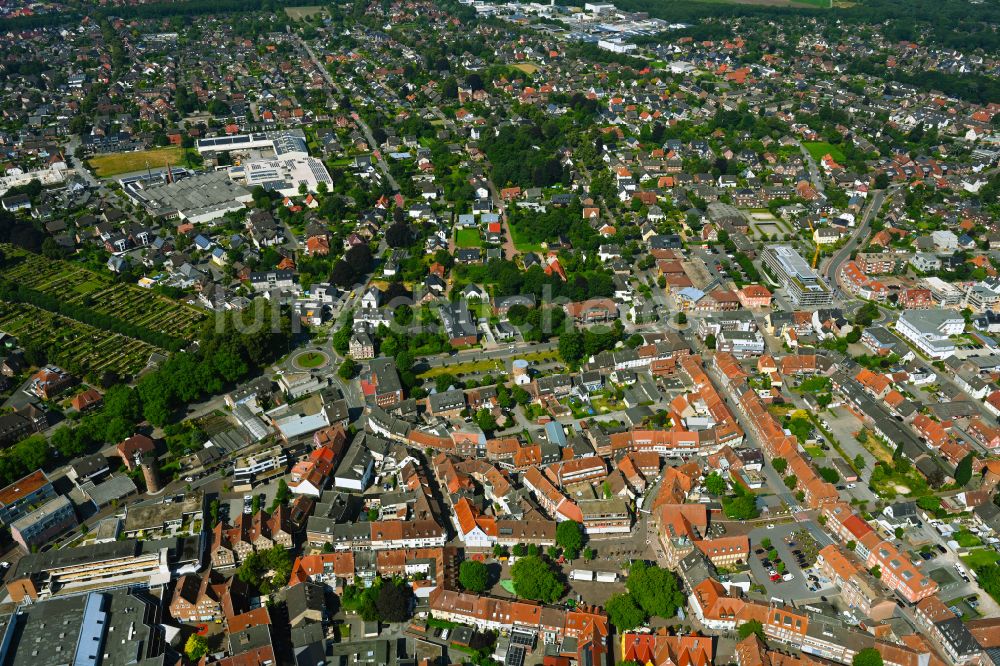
681,318
859,462
485,420
571,346
791,481
715,484
867,657
780,465
751,627
347,369
534,579
196,647
474,576
829,474
656,590
963,471
394,600
742,506
624,612
282,495
569,537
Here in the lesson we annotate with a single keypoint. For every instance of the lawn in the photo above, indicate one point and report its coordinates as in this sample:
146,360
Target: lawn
488,365
310,360
508,585
818,149
967,539
521,244
981,557
815,452
303,12
468,238
114,164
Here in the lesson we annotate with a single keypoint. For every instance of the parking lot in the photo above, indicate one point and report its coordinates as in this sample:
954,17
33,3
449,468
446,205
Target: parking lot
798,587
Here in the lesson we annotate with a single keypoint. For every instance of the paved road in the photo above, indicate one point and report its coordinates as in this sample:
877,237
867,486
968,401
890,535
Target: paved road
859,235
814,174
505,352
365,129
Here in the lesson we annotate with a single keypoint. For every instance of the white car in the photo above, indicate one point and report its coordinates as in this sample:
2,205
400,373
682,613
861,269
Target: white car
770,526
787,577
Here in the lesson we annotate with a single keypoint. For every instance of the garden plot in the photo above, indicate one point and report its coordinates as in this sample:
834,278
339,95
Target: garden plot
80,348
80,286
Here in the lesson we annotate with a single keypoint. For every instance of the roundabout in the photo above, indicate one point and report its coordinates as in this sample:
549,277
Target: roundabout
310,360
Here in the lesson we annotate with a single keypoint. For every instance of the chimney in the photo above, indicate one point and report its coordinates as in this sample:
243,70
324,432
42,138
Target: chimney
150,472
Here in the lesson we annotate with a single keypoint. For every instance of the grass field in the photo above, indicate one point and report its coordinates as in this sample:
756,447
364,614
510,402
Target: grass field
468,238
303,12
105,166
818,149
527,67
981,557
490,365
523,245
310,360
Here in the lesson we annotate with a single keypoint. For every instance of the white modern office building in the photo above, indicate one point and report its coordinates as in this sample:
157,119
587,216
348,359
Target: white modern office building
930,330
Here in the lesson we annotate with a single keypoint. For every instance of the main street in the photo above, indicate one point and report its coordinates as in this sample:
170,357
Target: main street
859,235
365,129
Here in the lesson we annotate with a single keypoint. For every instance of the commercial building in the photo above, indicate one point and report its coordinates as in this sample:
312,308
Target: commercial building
284,175
31,490
92,629
200,198
50,520
258,467
101,566
930,330
805,288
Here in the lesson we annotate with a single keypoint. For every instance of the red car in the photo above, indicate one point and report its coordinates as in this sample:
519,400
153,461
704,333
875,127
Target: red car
775,578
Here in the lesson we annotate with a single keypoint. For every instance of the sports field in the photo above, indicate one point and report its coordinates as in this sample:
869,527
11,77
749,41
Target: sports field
115,164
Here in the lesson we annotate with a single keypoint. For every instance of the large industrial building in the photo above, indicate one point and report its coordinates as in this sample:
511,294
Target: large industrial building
276,161
805,288
203,197
123,626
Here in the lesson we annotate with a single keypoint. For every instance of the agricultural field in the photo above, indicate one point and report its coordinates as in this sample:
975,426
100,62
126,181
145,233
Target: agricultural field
819,149
80,286
115,164
78,347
